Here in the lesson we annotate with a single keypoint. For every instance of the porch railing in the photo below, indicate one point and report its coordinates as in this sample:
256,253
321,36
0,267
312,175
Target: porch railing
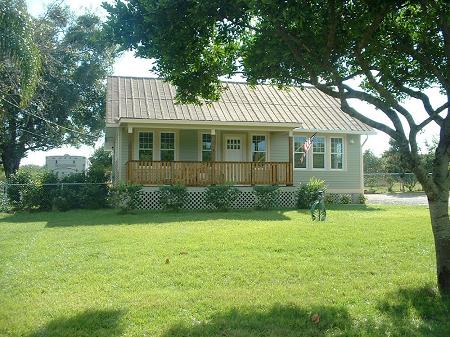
193,173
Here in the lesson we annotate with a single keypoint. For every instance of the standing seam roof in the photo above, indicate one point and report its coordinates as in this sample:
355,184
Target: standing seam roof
152,98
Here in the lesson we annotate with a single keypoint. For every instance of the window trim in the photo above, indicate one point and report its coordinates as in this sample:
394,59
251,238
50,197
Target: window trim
139,145
343,153
200,145
175,147
251,146
325,164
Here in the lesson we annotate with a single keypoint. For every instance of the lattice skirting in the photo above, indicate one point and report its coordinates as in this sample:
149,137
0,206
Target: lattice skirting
196,199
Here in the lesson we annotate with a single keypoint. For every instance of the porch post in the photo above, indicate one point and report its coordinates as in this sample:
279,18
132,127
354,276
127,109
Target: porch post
213,156
130,143
291,159
213,145
130,154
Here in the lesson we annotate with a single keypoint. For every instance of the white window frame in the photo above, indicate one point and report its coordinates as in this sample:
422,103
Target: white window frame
139,144
307,155
324,168
200,151
174,144
251,146
343,153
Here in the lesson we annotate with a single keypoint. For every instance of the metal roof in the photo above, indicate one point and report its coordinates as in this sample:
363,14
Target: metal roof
135,98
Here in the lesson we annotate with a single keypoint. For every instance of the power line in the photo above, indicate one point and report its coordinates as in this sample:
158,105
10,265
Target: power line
44,119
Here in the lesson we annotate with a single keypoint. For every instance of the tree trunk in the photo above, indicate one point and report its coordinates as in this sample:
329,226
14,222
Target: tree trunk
441,231
11,161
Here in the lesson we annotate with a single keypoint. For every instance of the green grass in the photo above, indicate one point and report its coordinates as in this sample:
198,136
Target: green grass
366,271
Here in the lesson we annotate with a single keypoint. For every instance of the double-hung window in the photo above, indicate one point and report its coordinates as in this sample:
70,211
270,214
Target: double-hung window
318,148
299,154
167,147
337,153
145,146
259,148
206,147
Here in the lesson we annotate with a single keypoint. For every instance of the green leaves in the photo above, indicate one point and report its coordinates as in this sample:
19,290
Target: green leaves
20,59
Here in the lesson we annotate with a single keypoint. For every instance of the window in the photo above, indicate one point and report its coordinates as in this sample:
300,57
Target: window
206,147
145,145
259,148
167,146
318,152
298,152
337,151
233,144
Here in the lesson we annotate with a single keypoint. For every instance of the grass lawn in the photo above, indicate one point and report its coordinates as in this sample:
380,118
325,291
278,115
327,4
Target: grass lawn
366,271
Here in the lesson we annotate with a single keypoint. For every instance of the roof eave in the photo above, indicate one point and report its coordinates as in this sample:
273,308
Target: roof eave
171,122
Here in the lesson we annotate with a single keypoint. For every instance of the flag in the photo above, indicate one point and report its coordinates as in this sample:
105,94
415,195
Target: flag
306,146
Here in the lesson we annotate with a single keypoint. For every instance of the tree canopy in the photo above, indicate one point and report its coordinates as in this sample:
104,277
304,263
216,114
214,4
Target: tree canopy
67,104
392,50
19,56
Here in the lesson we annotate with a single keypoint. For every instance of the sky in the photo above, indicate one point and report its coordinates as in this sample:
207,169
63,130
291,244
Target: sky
128,65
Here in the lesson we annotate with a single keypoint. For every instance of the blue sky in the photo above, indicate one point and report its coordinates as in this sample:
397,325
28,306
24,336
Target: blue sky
128,65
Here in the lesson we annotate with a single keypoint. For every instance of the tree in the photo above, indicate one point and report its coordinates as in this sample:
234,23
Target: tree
372,163
19,56
101,160
378,52
67,106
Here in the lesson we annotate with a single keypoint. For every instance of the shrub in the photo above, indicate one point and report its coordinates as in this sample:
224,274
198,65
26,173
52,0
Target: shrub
389,181
95,192
125,197
267,196
362,199
173,197
332,198
409,181
48,190
221,197
346,199
32,192
17,186
61,204
308,193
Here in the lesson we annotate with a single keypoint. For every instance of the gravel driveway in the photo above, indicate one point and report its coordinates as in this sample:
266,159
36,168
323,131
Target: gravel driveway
410,199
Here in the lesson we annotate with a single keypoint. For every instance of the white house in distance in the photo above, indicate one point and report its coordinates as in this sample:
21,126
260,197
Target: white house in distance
65,165
251,136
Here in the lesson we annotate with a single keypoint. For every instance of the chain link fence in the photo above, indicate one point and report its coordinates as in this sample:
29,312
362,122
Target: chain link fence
49,196
391,182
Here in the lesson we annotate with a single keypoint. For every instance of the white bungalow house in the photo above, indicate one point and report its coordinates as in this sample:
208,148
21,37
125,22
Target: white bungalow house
251,136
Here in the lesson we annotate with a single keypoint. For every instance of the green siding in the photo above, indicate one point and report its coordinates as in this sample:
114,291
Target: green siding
123,153
188,144
348,179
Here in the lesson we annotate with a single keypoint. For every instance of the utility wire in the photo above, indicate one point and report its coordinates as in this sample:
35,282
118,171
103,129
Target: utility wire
44,119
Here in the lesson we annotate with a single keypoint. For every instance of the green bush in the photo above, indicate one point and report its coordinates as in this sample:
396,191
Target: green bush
332,198
32,192
362,199
43,190
126,197
308,193
173,197
221,197
267,196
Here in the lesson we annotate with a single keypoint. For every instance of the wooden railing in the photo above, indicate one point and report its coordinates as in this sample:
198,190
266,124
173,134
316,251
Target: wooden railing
193,173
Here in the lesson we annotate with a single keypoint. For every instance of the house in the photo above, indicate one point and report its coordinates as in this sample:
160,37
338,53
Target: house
65,165
250,136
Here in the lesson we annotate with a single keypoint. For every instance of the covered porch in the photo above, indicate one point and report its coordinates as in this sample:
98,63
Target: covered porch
200,157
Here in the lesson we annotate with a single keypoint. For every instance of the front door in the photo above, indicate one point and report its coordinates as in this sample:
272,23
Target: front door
234,148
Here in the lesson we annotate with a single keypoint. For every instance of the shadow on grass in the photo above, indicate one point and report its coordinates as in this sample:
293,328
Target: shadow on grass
408,312
98,323
111,217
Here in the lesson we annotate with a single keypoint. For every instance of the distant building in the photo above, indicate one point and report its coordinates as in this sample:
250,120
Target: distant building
65,165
